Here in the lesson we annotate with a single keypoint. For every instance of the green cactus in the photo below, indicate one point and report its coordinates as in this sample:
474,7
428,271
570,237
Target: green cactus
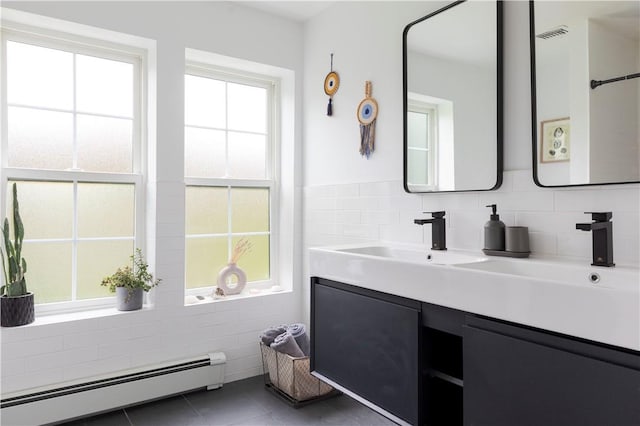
13,264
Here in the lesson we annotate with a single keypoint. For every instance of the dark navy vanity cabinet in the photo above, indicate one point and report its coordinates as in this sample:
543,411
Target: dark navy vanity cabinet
519,376
369,343
425,364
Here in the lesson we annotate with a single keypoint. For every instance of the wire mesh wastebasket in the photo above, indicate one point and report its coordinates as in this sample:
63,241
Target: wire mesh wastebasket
290,376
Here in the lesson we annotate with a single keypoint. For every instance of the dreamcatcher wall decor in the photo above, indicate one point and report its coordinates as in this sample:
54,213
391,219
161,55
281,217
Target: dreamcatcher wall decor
331,84
367,113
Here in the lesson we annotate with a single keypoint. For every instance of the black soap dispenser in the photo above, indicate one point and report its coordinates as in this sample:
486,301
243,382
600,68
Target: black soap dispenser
494,231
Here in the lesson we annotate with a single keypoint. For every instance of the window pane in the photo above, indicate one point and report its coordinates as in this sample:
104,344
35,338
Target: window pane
206,210
204,154
247,108
48,270
99,259
417,124
104,86
247,153
204,102
255,263
418,167
46,208
106,210
39,76
249,210
205,257
40,139
105,144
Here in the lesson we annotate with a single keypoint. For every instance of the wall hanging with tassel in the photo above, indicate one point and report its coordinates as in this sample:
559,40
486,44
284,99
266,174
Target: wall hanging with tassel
367,113
331,84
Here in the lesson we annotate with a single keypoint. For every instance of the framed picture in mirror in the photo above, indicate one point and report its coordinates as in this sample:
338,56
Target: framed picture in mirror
555,136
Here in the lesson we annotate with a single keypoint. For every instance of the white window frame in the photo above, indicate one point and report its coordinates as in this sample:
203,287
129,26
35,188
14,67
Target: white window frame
431,111
103,49
272,158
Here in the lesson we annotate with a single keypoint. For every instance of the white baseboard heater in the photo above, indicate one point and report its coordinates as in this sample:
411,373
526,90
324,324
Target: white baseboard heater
80,398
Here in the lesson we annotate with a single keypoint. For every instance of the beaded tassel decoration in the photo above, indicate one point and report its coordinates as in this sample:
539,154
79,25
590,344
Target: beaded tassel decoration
367,113
331,84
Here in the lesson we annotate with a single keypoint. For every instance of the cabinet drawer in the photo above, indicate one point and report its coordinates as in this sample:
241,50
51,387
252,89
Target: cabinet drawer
368,345
524,377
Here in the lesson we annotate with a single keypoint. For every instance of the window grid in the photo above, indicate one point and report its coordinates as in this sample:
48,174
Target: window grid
73,175
229,183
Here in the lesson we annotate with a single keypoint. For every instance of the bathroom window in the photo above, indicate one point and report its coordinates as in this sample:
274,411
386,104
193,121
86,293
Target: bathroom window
72,140
230,175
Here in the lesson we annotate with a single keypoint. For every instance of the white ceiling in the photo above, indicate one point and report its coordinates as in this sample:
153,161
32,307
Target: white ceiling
299,11
620,16
464,33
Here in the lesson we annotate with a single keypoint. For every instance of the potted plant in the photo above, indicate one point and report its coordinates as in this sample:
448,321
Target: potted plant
130,282
16,303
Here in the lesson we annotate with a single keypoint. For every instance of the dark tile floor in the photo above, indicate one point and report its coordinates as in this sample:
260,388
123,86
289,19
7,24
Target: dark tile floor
245,402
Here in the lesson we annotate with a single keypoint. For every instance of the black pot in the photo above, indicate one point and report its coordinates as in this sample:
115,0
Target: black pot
17,310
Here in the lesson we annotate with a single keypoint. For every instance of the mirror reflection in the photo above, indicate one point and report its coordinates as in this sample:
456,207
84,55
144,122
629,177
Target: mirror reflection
452,99
585,69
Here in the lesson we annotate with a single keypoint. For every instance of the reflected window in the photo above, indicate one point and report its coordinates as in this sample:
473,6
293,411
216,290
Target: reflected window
72,145
430,143
421,143
229,172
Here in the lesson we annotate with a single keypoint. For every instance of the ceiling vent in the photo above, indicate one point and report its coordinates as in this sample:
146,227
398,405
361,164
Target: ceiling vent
556,32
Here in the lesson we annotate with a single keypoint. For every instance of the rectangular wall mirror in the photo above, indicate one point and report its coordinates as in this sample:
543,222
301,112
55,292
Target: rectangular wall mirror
585,64
452,61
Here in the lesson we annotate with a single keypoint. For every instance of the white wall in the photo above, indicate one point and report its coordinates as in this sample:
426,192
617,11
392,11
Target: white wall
56,349
366,39
613,107
349,199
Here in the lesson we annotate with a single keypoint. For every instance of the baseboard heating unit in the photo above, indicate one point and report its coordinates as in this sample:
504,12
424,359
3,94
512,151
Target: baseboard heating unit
66,401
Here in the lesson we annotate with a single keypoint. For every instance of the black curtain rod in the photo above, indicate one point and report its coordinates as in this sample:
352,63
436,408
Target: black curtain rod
596,83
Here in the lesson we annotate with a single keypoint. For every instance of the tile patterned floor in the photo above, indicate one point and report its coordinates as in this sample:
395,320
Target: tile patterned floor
245,402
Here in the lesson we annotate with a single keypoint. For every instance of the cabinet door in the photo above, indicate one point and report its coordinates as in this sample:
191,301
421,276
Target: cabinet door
368,343
524,377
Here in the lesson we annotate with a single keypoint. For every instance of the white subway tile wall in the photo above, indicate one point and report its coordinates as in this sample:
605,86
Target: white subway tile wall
382,211
88,347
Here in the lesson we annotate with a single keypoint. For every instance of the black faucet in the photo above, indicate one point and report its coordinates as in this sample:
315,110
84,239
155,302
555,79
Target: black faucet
602,237
438,234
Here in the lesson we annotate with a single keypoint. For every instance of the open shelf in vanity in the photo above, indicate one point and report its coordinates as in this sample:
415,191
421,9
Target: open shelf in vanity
443,375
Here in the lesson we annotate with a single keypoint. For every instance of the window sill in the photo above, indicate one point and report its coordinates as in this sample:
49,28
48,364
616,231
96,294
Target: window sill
67,317
206,298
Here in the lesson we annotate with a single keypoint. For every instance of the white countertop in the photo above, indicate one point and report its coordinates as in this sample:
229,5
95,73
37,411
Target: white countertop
606,312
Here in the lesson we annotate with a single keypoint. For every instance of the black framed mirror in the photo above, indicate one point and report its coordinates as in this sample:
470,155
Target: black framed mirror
585,92
452,99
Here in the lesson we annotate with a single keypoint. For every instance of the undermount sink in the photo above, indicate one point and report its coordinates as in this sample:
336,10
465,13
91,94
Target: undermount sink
560,272
415,255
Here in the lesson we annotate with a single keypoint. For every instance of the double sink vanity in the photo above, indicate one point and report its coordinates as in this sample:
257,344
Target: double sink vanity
456,337
447,337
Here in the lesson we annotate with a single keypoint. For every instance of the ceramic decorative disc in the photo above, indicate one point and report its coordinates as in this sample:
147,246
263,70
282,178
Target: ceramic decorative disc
331,83
367,110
